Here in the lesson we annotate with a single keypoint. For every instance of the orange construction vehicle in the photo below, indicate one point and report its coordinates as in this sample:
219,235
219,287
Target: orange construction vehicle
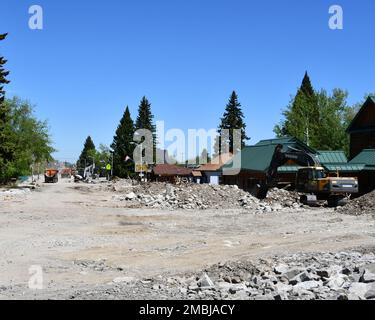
51,176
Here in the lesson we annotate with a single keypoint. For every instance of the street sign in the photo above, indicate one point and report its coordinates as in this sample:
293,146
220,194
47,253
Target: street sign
141,168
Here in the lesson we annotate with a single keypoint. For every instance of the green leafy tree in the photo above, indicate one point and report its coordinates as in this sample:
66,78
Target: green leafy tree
328,132
101,157
302,115
233,118
334,117
7,146
123,147
87,154
30,135
145,120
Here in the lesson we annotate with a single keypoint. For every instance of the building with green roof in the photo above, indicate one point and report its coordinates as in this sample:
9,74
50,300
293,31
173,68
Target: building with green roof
252,162
255,160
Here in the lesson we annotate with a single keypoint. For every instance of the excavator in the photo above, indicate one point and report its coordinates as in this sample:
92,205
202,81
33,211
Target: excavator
312,180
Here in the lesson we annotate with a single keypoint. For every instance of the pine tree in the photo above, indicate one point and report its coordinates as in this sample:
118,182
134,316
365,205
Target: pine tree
233,118
302,115
122,146
7,147
85,159
145,120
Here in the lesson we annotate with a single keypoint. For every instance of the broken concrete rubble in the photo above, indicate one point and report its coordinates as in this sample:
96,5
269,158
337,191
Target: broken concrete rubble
319,276
360,206
202,196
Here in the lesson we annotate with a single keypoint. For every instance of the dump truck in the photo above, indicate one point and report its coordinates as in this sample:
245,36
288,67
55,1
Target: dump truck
312,180
51,176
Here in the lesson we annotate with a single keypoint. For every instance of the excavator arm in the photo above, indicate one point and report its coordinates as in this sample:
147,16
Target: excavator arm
279,159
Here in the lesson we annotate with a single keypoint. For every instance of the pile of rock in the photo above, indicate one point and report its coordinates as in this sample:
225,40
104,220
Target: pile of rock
360,206
322,276
318,276
204,196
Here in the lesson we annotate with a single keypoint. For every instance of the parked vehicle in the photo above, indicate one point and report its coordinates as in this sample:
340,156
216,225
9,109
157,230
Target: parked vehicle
51,176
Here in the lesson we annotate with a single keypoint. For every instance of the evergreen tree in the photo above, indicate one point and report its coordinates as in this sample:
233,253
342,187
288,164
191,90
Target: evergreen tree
145,120
122,146
89,151
6,145
233,118
302,115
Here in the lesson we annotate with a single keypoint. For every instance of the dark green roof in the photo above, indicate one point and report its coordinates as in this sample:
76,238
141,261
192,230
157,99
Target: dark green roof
351,128
332,157
366,157
286,141
259,156
348,167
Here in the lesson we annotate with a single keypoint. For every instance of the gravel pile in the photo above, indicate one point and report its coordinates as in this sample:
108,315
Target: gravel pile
320,276
360,206
201,197
10,194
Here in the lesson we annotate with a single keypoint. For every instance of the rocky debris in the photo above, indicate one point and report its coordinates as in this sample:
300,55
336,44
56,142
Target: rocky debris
318,276
201,196
10,194
360,206
205,282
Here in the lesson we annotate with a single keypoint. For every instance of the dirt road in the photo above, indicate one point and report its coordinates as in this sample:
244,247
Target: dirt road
81,238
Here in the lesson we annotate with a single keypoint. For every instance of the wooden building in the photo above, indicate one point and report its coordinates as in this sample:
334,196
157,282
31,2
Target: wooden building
171,173
362,129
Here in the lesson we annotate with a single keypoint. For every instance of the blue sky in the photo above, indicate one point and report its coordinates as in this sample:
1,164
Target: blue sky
95,57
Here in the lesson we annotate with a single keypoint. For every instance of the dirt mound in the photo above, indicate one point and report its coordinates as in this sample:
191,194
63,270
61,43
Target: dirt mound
360,206
201,196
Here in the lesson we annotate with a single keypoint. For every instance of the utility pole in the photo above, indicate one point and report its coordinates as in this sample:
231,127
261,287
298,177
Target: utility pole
112,153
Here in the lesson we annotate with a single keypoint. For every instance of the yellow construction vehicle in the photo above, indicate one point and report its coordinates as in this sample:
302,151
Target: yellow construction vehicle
311,179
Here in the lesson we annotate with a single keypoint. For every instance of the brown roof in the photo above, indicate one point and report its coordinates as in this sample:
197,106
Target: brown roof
216,163
196,173
171,170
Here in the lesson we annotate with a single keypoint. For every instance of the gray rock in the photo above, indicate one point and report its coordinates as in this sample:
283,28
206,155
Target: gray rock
292,273
337,281
368,277
281,287
307,285
130,196
323,273
370,294
281,269
263,297
236,280
302,277
358,289
183,290
205,282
